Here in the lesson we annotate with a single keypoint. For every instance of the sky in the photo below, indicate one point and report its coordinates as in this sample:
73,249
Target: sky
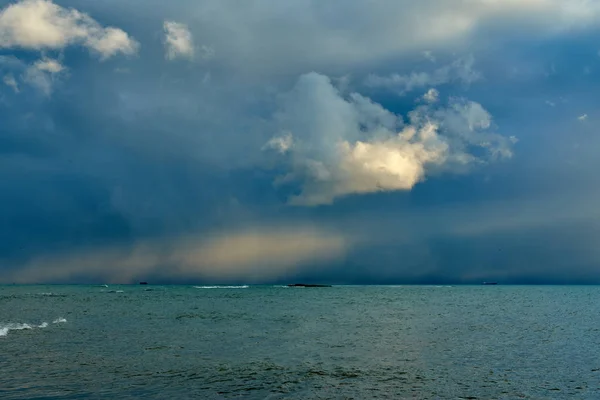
267,141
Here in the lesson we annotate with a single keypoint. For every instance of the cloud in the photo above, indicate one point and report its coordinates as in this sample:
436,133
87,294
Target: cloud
10,81
299,36
11,63
460,71
43,74
352,146
281,144
249,255
43,25
207,52
178,41
429,56
431,96
582,117
549,237
158,152
49,65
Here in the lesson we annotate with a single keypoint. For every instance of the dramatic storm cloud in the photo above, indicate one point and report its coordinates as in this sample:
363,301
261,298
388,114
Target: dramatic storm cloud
339,147
263,140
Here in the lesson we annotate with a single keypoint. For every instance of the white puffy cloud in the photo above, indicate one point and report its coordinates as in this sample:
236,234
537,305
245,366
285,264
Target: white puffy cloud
281,144
582,117
43,25
460,71
49,65
431,96
111,42
352,145
178,41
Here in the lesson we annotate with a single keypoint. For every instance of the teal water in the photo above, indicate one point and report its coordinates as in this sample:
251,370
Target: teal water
261,342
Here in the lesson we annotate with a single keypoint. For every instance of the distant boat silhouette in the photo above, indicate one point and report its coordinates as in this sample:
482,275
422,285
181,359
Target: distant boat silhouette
143,283
490,283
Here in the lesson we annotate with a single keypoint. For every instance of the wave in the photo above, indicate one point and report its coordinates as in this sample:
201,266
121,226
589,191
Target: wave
5,328
222,287
12,326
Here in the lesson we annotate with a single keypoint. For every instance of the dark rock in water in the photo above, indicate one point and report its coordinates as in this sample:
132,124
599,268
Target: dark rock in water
490,283
143,283
306,285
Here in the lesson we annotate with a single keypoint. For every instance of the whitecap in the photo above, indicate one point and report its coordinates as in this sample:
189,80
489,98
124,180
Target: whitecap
5,328
222,287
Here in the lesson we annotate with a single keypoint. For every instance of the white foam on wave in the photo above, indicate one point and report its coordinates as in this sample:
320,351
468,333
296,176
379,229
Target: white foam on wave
5,328
222,287
12,326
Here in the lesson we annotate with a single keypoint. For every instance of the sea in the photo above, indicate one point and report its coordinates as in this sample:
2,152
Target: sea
276,342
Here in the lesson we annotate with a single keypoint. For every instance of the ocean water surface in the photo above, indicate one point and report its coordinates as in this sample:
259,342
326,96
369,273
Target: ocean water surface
273,342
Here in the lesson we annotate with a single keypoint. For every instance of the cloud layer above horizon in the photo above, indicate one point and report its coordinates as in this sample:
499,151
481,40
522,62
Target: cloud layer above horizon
394,141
